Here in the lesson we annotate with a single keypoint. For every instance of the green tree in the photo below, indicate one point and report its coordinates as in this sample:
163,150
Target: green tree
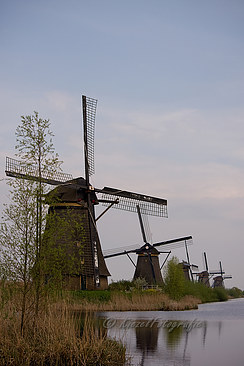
25,217
174,281
35,148
17,239
62,246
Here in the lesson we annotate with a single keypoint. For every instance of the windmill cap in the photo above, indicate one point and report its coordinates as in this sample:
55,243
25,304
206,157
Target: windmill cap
148,248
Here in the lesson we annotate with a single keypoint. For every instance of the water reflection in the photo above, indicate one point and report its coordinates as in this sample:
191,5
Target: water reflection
170,343
181,338
147,338
174,336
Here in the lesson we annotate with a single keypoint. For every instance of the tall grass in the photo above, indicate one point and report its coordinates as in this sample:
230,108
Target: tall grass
56,339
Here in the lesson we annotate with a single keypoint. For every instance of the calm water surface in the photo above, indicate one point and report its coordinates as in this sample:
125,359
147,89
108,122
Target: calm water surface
213,335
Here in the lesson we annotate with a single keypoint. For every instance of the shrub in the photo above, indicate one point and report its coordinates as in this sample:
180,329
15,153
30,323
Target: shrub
92,296
220,293
235,292
199,290
174,279
122,285
139,283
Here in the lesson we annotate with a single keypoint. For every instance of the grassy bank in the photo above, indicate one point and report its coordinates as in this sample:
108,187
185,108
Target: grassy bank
145,300
128,301
126,296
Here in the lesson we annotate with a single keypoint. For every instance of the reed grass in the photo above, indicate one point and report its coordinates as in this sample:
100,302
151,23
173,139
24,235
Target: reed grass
136,301
56,339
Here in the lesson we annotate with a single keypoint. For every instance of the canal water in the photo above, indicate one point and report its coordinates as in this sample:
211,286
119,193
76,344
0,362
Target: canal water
213,335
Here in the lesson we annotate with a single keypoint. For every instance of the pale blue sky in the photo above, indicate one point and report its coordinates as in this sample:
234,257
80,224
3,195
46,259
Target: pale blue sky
168,76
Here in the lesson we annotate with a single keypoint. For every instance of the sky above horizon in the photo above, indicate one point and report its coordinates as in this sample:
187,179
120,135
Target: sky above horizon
168,76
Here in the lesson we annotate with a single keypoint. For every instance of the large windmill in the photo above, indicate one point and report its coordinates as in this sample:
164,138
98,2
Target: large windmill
80,196
147,265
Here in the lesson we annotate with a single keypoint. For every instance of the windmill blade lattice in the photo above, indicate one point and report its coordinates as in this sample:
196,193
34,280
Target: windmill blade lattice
18,169
175,243
89,106
147,228
129,201
144,224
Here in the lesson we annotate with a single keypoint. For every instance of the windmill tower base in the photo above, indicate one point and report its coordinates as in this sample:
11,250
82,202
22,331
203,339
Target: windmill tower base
148,265
203,277
186,270
70,232
218,281
76,283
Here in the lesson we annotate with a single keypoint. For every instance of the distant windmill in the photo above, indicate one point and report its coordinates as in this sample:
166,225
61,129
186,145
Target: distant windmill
218,281
147,265
205,276
187,266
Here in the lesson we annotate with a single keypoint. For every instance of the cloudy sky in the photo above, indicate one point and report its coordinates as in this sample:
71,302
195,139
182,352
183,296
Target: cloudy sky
168,76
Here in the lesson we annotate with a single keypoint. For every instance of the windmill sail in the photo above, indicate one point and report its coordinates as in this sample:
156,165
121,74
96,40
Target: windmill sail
89,106
130,200
141,224
147,266
18,169
167,245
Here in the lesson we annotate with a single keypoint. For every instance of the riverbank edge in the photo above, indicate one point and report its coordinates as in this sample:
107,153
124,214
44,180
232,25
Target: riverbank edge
142,300
121,301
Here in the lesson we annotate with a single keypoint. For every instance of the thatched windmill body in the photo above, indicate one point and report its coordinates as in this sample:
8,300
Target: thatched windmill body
77,197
